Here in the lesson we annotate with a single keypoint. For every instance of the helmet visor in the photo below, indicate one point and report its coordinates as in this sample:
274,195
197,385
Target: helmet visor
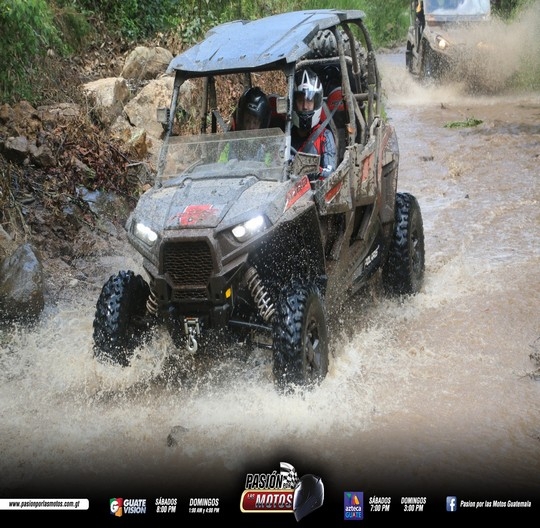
307,100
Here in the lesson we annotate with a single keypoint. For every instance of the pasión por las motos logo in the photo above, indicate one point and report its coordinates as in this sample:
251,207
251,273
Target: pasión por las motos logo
282,492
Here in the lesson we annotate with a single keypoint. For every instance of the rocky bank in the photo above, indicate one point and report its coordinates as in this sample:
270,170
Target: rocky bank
71,172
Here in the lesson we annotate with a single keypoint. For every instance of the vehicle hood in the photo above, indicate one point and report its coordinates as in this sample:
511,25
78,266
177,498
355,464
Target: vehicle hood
458,33
209,203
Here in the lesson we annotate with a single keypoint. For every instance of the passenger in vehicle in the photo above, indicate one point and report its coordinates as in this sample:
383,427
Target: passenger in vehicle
252,111
308,135
331,80
335,106
420,17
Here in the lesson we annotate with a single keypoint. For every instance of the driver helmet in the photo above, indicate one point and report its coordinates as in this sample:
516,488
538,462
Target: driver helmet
308,495
308,87
253,110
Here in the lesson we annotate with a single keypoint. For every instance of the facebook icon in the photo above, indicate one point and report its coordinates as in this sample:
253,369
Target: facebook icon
451,504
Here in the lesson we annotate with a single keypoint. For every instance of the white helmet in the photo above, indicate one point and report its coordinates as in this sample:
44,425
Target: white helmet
309,86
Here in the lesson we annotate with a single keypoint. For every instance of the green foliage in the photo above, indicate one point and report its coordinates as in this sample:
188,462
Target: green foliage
73,26
197,17
387,21
200,15
136,19
250,9
27,32
505,8
469,122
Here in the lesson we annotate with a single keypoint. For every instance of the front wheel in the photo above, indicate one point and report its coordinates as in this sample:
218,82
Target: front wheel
430,69
119,325
403,271
300,341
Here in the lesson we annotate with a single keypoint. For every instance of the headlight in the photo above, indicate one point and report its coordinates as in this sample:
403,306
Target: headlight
245,231
442,43
144,233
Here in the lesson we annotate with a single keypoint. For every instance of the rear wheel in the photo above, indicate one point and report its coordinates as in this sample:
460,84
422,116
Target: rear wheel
119,325
300,337
403,271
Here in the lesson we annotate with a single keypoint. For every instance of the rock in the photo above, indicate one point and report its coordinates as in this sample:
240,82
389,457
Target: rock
21,150
109,96
21,284
16,148
176,432
26,118
7,244
42,156
145,63
141,110
51,115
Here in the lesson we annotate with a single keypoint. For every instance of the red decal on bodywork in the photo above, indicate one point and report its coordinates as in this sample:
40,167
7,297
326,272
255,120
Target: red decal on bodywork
332,192
194,214
366,167
300,188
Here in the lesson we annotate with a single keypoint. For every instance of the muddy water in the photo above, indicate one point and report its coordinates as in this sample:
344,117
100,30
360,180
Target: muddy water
431,396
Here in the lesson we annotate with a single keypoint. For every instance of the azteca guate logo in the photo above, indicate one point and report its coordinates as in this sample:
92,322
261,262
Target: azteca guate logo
282,492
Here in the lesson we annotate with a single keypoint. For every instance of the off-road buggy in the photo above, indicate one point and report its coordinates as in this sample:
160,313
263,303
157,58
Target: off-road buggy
446,39
249,248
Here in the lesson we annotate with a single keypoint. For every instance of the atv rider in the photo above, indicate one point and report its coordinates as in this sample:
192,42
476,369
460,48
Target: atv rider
420,21
308,135
252,111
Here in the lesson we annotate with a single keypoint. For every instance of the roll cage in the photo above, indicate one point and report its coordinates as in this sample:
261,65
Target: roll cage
284,43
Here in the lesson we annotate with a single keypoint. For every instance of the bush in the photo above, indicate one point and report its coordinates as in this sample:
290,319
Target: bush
27,31
136,19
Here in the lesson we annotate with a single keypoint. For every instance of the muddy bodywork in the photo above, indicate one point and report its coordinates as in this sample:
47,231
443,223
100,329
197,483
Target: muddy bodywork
238,238
450,41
